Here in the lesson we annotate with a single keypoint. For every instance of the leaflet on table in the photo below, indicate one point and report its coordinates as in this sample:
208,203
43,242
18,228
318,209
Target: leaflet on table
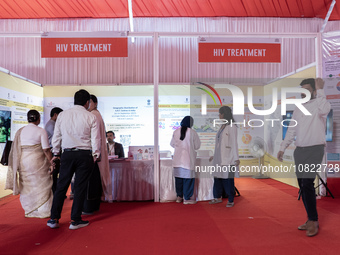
141,152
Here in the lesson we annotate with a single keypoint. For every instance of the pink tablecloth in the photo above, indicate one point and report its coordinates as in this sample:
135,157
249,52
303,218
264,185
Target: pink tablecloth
132,180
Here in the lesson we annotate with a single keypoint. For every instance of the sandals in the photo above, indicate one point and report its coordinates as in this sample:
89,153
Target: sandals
215,201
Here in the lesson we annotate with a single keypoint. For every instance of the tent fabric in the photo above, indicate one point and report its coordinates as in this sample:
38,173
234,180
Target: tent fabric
178,56
19,9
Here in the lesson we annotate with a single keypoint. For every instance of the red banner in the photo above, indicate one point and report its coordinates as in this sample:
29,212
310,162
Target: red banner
84,47
239,52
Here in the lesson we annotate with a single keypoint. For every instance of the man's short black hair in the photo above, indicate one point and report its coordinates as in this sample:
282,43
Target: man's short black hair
81,97
94,98
310,81
55,110
108,132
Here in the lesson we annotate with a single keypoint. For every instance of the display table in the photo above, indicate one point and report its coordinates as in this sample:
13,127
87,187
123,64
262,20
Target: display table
132,180
203,184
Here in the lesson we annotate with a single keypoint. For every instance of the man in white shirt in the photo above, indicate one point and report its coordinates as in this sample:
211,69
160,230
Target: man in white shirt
49,127
76,132
310,143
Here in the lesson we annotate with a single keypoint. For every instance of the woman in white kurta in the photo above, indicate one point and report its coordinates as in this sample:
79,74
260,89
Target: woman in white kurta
28,168
185,141
225,158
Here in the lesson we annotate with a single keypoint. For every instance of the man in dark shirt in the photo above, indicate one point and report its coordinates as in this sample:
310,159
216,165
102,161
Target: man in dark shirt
113,147
49,127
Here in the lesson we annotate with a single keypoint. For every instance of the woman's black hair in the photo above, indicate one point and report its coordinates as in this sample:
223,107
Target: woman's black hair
186,123
227,114
94,98
33,116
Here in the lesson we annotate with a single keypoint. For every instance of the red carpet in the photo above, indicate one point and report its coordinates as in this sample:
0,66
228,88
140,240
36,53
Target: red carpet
264,220
334,186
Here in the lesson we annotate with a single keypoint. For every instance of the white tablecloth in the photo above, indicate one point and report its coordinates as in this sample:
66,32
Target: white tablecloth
203,183
132,180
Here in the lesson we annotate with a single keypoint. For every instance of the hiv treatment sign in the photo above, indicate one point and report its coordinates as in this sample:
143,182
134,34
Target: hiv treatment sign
83,45
221,50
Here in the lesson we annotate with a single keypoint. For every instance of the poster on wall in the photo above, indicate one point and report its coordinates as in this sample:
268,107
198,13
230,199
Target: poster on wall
172,109
331,74
208,98
128,110
129,117
277,124
17,97
18,104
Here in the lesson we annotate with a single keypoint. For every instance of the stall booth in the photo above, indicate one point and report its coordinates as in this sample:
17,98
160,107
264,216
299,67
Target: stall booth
162,77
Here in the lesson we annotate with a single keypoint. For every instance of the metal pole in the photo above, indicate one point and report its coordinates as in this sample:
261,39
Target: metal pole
155,97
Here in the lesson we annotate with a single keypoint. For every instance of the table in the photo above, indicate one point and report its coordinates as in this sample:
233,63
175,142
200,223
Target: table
132,180
203,184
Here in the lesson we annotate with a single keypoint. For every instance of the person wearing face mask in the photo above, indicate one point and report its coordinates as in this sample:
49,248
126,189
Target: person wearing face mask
310,143
30,158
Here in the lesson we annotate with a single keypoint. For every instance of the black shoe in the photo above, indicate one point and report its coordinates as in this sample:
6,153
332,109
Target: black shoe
53,223
87,213
79,224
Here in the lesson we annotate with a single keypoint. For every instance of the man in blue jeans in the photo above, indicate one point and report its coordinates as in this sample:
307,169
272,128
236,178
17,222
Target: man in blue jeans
310,143
77,133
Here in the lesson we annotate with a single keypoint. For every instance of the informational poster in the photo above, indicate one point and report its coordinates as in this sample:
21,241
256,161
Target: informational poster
17,97
174,105
331,74
277,123
275,132
126,110
207,121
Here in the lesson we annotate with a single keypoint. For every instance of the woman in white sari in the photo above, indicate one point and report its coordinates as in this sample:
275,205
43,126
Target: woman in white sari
28,168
